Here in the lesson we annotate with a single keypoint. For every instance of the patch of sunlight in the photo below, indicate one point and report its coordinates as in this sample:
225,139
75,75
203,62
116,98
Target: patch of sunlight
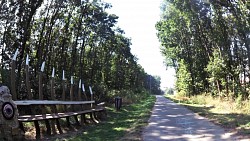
219,110
130,120
119,129
111,122
125,110
248,124
85,133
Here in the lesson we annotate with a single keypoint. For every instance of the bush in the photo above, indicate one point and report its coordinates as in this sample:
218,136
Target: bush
199,99
128,96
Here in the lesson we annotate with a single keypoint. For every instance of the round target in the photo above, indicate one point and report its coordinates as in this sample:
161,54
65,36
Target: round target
8,110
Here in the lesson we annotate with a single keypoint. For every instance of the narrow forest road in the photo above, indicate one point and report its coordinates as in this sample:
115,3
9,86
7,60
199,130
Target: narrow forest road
170,121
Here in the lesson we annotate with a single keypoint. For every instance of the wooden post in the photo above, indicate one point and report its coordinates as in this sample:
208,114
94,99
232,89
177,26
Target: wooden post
71,92
91,95
63,86
79,94
72,89
52,96
28,83
79,91
52,88
54,109
40,89
13,76
83,118
63,90
64,98
72,98
40,81
84,93
27,78
47,124
92,113
13,79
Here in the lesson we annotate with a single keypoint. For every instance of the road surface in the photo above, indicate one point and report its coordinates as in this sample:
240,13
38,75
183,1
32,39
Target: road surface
173,122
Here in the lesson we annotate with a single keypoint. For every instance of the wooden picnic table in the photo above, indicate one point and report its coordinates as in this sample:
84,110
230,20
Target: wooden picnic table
54,114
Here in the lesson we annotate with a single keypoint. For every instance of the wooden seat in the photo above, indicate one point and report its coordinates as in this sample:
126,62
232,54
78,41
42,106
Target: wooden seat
55,116
28,118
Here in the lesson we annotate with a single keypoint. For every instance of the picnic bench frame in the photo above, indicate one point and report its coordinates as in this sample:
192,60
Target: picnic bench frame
54,116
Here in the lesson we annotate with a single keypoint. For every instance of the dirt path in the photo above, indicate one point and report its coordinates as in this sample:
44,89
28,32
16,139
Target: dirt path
170,121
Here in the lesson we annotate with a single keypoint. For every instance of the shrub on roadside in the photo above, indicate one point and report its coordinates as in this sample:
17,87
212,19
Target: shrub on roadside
128,96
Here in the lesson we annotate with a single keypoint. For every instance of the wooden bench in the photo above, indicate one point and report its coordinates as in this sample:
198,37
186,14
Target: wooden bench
84,107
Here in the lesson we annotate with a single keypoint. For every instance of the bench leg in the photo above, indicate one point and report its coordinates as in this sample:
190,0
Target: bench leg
95,116
21,126
92,117
59,126
68,122
82,119
48,126
77,121
38,135
53,126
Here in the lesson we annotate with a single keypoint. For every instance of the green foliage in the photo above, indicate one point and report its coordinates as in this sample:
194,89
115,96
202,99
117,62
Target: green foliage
183,83
128,96
199,99
79,37
212,40
216,70
239,101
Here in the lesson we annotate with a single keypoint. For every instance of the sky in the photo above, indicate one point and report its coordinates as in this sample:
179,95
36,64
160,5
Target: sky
138,18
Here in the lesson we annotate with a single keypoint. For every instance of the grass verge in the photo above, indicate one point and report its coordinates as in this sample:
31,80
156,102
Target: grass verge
227,114
125,124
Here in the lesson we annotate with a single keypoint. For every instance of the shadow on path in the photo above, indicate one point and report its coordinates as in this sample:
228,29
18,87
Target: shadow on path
170,121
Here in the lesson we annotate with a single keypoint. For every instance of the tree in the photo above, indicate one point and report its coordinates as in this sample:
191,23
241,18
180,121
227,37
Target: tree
195,32
79,37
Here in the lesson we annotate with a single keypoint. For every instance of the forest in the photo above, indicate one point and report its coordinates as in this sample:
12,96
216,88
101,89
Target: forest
208,44
78,37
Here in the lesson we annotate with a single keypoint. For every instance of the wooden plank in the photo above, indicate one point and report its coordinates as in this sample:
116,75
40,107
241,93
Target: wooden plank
26,118
13,80
51,102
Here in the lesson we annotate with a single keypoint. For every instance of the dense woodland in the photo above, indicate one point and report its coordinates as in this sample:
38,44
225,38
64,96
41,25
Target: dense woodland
208,44
77,36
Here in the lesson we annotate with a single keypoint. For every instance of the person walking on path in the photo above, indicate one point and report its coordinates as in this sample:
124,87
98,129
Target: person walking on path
173,122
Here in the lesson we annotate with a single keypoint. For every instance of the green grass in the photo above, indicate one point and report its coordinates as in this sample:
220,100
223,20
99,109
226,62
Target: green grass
223,113
119,125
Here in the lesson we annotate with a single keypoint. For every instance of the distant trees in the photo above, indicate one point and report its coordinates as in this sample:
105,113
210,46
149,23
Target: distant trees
207,42
79,37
